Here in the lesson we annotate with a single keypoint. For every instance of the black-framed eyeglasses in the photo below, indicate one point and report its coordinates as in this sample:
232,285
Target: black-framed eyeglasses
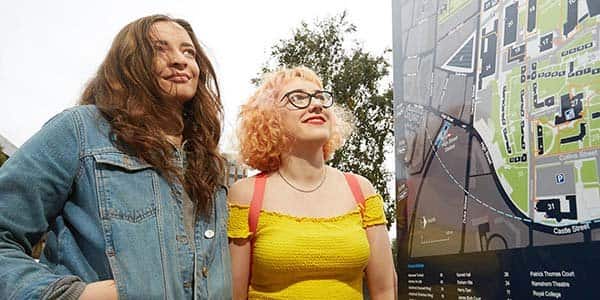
302,99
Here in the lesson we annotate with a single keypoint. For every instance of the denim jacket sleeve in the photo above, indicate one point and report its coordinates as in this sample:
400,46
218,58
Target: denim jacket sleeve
34,185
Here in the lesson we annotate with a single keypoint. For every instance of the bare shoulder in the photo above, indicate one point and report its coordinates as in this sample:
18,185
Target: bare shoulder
241,191
365,185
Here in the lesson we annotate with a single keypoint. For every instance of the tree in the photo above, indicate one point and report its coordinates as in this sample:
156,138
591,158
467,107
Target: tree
356,78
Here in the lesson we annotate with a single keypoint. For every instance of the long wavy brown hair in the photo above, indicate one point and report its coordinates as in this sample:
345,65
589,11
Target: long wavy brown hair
126,90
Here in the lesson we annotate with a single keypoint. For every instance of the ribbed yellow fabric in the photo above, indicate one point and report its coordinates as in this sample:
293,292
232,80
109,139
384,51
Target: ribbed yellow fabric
306,257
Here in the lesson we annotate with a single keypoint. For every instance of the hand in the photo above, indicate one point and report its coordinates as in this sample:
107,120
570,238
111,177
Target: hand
101,290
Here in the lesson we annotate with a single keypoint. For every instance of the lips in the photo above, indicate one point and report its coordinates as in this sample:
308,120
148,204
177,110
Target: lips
315,120
178,78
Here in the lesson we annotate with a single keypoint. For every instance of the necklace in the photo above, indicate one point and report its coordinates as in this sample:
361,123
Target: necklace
303,190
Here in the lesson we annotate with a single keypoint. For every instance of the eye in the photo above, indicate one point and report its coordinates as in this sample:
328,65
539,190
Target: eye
190,52
298,97
321,96
160,47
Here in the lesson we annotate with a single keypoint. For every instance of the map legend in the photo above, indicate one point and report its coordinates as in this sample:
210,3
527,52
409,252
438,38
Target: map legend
510,274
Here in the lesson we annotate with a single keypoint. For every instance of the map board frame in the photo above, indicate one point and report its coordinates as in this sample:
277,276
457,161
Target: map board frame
497,122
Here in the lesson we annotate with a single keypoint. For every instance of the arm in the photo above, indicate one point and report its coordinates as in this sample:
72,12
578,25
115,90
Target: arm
34,184
240,265
381,276
240,193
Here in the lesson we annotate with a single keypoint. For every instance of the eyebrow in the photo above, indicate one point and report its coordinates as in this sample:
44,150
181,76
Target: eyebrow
296,90
165,43
186,44
306,91
299,90
160,42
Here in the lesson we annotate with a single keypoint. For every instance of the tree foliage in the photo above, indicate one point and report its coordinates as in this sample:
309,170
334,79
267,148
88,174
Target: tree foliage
357,79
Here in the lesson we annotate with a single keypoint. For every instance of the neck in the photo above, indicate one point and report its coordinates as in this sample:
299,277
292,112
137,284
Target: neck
171,118
303,166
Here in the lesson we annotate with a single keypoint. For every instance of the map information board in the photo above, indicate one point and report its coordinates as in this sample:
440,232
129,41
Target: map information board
499,103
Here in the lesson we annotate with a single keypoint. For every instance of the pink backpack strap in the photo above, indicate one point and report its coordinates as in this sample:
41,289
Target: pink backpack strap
260,181
356,191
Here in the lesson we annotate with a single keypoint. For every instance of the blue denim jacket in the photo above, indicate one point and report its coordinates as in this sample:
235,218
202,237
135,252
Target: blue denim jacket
110,216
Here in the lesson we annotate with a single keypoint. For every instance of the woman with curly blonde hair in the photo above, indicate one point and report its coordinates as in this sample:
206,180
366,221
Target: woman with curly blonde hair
301,229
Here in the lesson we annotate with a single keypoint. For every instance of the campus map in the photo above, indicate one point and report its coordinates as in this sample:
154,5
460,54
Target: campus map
501,115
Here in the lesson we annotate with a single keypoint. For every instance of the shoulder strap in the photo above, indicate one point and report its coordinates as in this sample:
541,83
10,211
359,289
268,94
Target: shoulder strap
260,181
356,191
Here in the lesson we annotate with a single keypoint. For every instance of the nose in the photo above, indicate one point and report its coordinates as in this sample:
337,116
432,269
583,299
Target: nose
316,105
177,60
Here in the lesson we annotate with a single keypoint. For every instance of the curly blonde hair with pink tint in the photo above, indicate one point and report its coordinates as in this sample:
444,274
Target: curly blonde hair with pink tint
262,137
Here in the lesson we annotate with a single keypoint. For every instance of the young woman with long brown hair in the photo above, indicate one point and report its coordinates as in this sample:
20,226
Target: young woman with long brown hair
127,184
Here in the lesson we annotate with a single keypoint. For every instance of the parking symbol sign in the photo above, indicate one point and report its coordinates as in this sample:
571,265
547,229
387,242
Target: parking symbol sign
569,114
560,178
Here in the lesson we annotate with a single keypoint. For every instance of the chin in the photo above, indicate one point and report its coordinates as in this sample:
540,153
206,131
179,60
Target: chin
313,138
186,99
312,135
180,94
180,98
185,96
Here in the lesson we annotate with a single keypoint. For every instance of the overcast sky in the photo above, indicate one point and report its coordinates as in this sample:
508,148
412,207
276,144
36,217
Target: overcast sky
51,48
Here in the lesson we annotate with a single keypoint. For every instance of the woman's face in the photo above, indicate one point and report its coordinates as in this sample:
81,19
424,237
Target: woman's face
312,124
175,61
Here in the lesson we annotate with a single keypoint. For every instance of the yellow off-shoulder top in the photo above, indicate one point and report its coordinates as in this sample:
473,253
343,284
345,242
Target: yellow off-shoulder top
305,257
